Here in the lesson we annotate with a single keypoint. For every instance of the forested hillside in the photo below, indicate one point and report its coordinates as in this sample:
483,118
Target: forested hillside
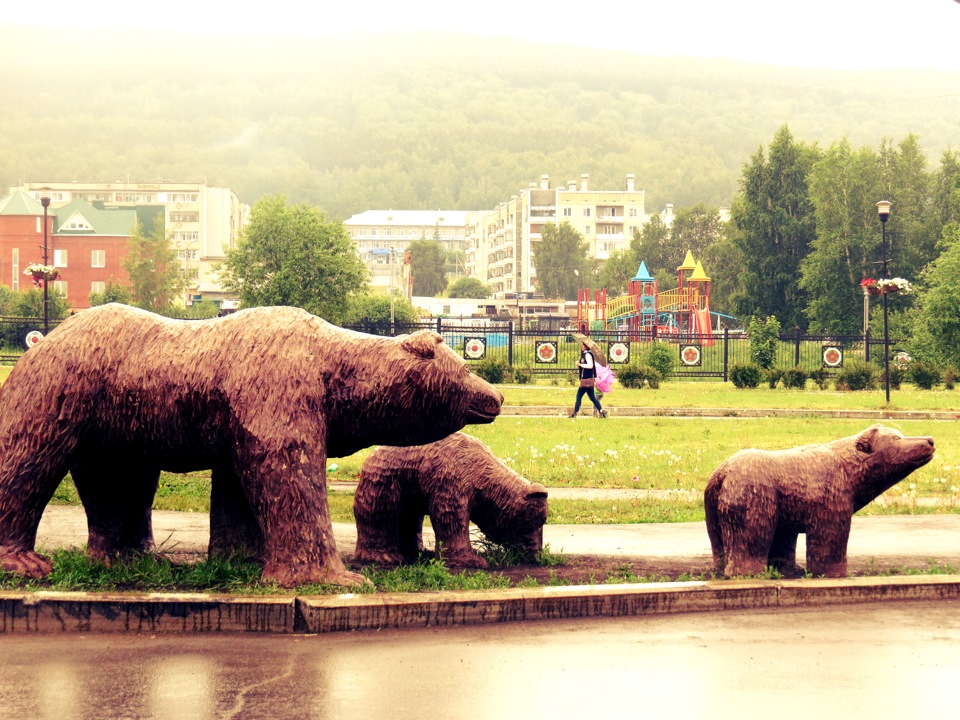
426,121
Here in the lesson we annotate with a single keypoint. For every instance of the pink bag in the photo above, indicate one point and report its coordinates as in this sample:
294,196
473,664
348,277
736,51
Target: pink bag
605,378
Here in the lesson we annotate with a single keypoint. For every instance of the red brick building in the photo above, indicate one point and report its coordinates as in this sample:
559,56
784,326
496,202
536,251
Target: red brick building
85,243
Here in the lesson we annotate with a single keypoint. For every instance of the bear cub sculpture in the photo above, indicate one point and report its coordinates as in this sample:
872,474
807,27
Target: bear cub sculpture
455,481
757,502
261,397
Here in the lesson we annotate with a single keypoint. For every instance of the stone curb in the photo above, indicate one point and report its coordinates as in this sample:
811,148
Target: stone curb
52,612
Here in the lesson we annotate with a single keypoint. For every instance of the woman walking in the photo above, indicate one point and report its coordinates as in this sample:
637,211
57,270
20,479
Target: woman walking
588,375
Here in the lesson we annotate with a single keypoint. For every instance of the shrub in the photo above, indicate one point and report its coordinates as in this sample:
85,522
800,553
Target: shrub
659,356
949,378
924,375
493,370
522,375
821,376
764,335
795,378
897,376
772,377
636,376
857,375
745,376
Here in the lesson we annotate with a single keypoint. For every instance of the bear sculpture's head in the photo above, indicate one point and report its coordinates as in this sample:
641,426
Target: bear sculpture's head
886,457
408,390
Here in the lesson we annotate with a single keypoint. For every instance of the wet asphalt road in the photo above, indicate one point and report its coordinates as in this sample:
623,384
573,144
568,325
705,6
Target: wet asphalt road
882,660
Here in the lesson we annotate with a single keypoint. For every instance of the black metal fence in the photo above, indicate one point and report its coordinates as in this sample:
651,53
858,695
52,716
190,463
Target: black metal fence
556,352
548,352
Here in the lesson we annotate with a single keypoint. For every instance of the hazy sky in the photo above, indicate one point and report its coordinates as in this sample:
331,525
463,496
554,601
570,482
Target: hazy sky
841,34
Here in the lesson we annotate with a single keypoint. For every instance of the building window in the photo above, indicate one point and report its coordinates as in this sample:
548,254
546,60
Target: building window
568,212
586,229
184,216
60,258
633,212
98,259
586,212
97,286
15,259
59,286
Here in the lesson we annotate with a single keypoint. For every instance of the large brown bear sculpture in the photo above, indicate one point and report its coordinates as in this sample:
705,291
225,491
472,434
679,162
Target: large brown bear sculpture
455,481
757,502
262,397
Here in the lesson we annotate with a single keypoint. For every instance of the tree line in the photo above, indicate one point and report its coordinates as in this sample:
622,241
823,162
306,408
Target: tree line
804,237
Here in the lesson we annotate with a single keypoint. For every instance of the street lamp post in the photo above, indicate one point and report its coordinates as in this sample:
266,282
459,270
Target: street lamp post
45,201
883,208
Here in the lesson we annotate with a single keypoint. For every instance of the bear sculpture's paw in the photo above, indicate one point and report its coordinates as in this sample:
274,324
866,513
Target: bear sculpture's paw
27,563
462,559
296,575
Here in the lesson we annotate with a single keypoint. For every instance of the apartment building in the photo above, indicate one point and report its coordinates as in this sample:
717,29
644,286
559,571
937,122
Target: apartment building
203,222
382,238
503,241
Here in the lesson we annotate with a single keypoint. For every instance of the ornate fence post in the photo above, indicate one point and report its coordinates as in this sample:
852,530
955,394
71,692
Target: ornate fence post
726,353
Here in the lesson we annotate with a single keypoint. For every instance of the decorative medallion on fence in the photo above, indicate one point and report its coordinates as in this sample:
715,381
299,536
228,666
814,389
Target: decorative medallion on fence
902,359
618,352
33,337
690,355
546,351
474,348
832,356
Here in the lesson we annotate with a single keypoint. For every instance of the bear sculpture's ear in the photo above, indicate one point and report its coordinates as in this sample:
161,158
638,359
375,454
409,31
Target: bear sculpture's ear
422,343
865,439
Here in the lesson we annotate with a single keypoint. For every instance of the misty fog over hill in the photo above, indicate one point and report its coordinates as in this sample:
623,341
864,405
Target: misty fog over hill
426,120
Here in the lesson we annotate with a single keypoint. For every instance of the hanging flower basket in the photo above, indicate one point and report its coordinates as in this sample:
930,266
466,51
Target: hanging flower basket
870,287
894,285
41,272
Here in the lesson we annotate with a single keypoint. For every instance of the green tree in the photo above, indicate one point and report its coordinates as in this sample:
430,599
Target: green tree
560,259
427,264
113,292
774,224
936,323
376,309
844,187
469,287
617,271
651,244
151,264
695,229
294,255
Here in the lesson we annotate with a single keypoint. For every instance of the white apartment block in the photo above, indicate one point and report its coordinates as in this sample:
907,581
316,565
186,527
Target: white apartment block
203,221
503,241
383,236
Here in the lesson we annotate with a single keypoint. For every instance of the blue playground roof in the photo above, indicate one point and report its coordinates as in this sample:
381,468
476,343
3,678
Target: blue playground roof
643,275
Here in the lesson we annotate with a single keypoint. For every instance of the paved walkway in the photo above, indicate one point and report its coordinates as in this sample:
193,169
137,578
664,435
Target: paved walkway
917,537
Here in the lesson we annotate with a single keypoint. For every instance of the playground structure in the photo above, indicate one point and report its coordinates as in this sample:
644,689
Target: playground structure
646,312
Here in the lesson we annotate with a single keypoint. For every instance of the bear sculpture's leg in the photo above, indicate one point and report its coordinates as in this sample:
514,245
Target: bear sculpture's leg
746,545
117,496
450,518
234,529
281,485
827,548
31,469
376,507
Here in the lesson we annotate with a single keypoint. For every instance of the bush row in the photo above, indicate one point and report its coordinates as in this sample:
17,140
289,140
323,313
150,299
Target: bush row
855,375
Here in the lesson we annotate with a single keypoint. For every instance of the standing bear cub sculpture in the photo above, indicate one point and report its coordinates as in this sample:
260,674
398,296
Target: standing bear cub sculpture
455,481
261,397
757,502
